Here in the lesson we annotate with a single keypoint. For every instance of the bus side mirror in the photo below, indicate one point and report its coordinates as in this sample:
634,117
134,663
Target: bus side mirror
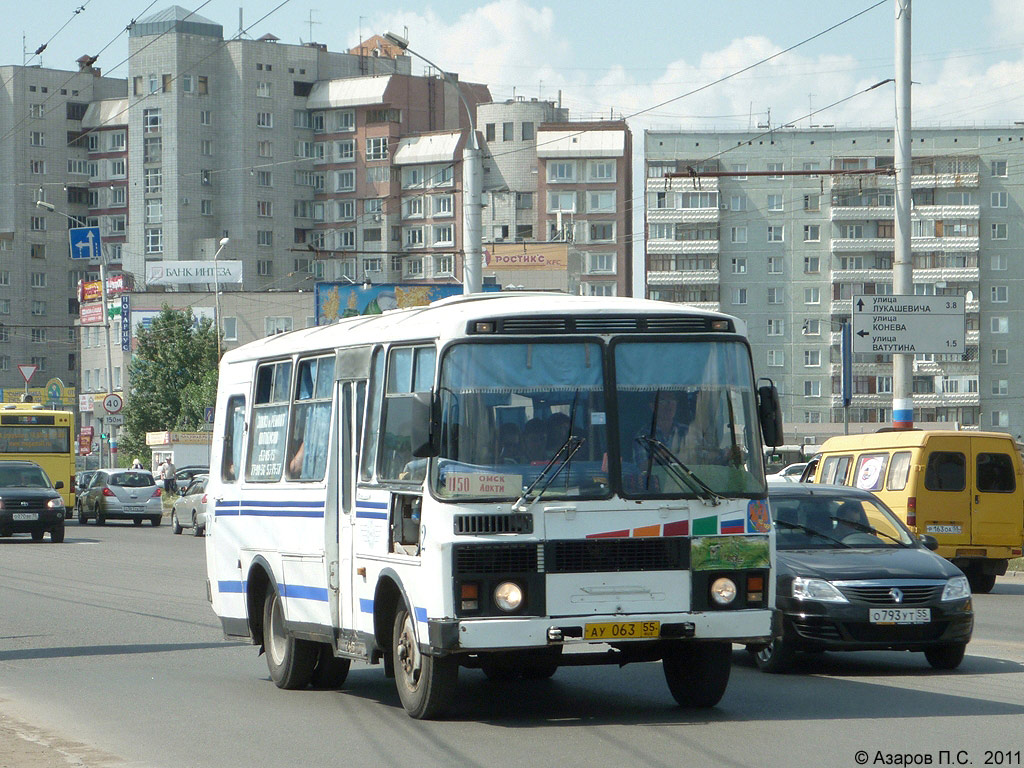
421,426
769,412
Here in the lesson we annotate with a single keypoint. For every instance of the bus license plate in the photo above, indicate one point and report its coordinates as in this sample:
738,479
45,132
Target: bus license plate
900,615
20,517
621,630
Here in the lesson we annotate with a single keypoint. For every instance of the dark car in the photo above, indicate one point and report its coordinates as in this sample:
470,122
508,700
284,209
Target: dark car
81,483
29,503
851,577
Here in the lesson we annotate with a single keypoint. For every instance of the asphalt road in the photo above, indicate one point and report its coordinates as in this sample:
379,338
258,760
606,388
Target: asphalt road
108,641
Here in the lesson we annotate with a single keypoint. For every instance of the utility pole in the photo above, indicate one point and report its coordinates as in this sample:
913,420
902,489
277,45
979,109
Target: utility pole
902,268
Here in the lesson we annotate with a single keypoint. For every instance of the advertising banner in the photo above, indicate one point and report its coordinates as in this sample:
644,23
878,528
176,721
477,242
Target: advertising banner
553,256
91,314
337,300
185,272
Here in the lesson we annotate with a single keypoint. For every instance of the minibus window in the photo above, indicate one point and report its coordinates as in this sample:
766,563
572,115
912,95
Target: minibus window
871,471
269,422
995,473
234,433
834,470
899,471
404,378
946,471
369,453
311,417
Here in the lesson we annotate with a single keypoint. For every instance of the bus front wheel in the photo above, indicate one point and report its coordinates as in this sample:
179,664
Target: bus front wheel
697,673
425,683
289,659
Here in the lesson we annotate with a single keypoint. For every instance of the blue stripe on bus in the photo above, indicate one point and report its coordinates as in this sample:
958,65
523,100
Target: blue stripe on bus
304,593
247,511
231,586
365,606
255,503
372,504
371,515
420,613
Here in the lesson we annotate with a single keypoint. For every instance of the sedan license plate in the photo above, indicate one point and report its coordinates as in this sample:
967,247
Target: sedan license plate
900,615
20,517
621,630
134,509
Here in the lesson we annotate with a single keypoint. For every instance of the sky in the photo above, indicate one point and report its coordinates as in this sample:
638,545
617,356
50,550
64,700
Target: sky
612,58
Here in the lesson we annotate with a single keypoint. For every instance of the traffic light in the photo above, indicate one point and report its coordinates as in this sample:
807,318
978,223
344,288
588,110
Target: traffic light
104,436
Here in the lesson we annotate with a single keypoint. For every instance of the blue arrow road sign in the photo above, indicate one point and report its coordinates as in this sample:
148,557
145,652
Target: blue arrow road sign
85,242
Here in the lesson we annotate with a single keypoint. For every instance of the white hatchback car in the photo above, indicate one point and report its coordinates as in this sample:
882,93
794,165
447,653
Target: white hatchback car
789,474
121,494
190,508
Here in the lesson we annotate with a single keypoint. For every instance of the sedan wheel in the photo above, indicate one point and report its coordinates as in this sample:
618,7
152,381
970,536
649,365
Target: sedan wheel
775,657
175,525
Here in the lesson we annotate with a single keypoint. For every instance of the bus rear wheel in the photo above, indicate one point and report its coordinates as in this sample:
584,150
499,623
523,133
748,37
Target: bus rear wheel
289,659
697,673
425,683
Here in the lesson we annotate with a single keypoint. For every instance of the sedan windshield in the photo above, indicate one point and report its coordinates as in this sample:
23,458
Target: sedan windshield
27,477
835,522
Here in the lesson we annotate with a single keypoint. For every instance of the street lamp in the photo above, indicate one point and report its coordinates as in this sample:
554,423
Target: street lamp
216,290
472,227
103,298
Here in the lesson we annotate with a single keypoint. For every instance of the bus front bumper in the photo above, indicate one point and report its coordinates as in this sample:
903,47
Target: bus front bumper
740,626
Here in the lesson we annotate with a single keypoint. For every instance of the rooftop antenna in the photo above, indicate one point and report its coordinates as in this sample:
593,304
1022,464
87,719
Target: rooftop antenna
241,26
311,23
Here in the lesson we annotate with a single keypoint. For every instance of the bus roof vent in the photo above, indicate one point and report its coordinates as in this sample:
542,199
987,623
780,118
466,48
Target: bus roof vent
534,325
607,324
678,324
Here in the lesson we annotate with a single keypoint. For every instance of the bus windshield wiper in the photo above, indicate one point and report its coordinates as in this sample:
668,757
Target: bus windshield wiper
812,531
658,450
569,448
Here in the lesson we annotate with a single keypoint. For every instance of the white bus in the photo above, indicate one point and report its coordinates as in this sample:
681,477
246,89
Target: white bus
502,482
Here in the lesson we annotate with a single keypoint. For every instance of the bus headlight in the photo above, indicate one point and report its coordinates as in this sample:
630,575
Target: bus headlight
508,596
723,591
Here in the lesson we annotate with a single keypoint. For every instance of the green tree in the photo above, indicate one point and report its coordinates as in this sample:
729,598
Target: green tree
173,376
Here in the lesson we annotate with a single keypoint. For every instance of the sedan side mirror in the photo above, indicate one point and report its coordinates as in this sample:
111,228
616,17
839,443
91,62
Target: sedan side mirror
58,485
928,541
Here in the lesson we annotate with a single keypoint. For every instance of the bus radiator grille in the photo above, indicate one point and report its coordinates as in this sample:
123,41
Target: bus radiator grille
494,558
617,555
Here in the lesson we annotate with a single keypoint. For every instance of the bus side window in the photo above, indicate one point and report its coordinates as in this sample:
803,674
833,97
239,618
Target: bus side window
311,417
995,473
411,369
899,471
376,394
834,470
269,422
946,471
234,435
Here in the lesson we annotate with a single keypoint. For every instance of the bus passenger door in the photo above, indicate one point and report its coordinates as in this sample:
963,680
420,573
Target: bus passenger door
352,397
996,496
944,498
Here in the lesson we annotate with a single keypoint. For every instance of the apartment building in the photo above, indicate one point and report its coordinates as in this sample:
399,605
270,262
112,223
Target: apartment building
787,252
42,157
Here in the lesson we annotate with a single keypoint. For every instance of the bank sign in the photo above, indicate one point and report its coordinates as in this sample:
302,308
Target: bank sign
185,272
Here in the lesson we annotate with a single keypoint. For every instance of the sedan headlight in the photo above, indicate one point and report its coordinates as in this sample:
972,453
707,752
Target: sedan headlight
957,588
57,503
817,589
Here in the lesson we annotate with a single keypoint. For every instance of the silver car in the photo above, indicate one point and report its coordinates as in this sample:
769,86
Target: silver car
121,494
190,508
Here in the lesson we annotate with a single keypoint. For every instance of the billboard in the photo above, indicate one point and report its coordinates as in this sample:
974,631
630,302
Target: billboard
91,314
337,300
186,272
544,256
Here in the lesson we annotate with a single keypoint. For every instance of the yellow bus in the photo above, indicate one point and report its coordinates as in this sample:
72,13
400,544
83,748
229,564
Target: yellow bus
29,432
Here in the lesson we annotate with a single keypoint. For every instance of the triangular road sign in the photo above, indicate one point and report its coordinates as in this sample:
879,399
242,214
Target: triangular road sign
27,371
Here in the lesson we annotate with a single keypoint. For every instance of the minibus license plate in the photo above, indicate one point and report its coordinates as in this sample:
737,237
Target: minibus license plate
900,615
621,630
23,516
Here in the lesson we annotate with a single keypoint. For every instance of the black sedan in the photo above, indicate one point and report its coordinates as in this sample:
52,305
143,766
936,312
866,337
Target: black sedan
29,503
851,577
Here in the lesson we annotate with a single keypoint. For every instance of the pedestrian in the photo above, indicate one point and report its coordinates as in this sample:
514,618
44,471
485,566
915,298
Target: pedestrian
167,470
137,464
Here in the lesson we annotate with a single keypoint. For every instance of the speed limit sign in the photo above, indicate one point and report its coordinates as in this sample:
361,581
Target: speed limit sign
112,403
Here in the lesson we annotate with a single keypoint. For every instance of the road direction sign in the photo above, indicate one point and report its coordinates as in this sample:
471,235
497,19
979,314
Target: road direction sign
112,403
908,324
27,371
85,242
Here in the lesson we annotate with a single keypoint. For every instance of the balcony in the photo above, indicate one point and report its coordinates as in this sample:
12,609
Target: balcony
917,181
702,184
684,278
921,244
682,246
861,212
934,399
682,215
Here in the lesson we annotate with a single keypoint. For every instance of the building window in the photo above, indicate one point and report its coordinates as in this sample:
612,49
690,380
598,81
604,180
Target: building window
561,172
263,90
379,174
346,210
812,295
443,235
264,149
153,180
812,202
602,232
37,223
152,149
206,147
561,201
812,389
739,296
444,265
38,308
489,133
600,263
206,207
39,167
37,139
776,295
1000,356
1000,294
345,181
741,171
812,358
775,171
264,119
998,231
205,117
275,325
443,205
812,264
1000,324
999,168
775,265
377,148
528,132
1000,386
346,150
812,233
154,240
738,234
776,326
999,199
739,266
775,234
601,202
774,202
1000,418
154,210
265,237
738,202
264,267
601,171
812,327
508,131
151,120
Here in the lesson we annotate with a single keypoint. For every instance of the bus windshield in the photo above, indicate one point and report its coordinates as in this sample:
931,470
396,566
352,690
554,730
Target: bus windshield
686,409
508,411
534,416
